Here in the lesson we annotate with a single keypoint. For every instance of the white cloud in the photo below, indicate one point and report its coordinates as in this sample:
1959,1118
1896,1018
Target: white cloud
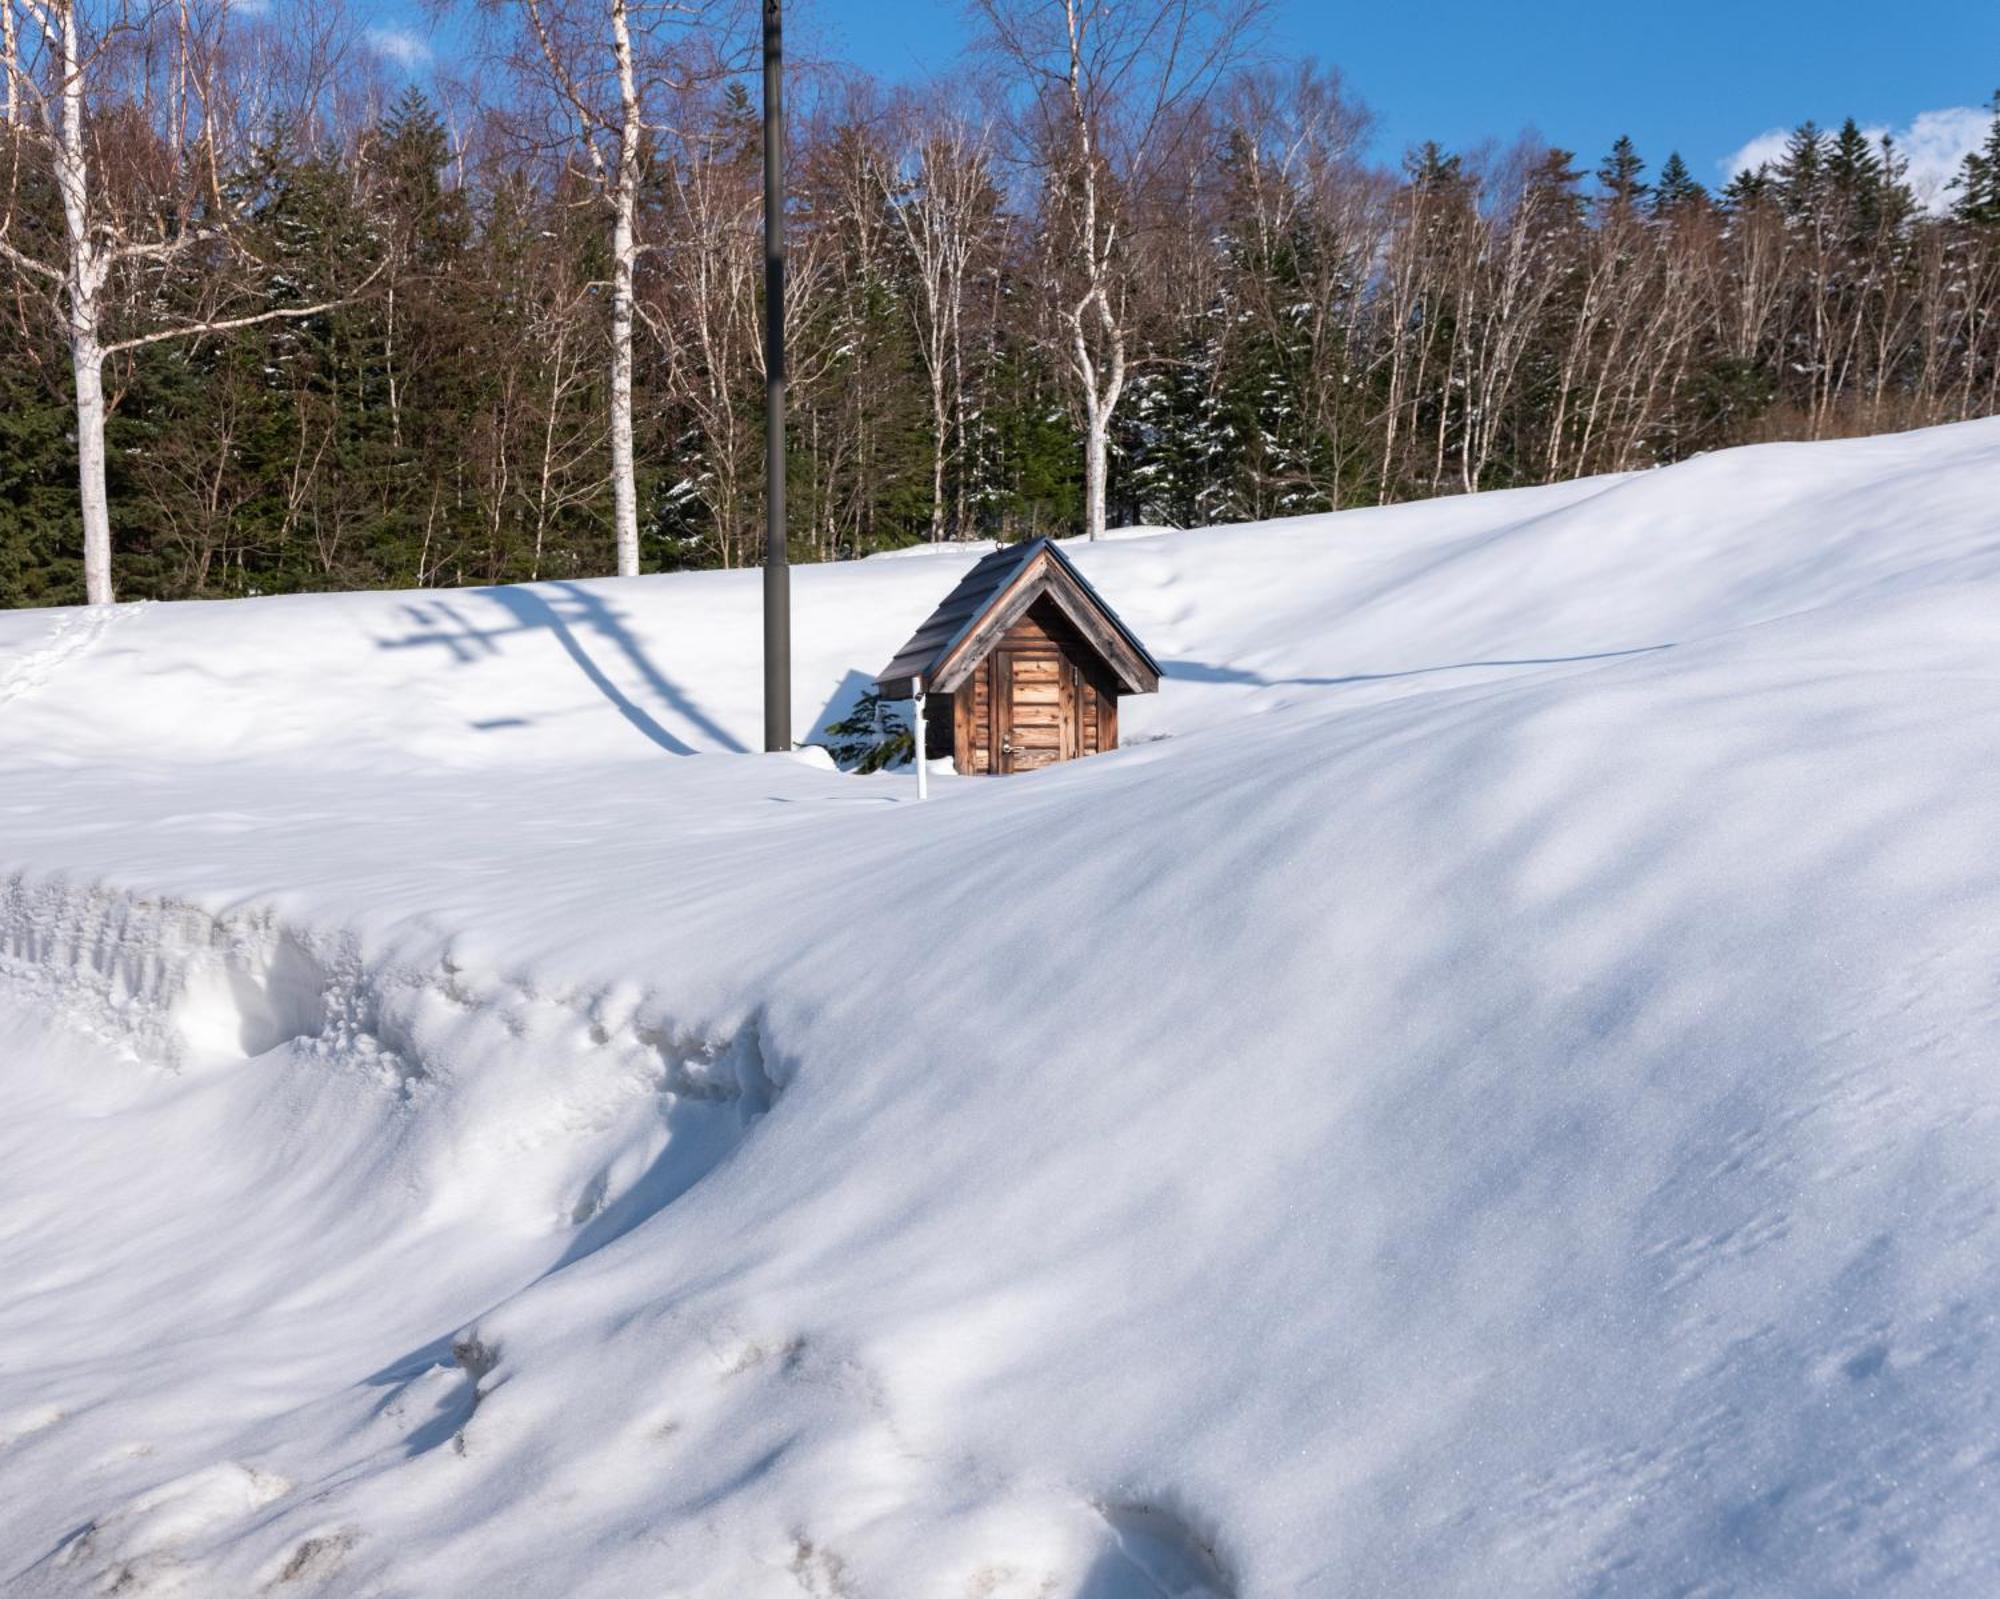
1761,151
1937,143
401,46
1934,143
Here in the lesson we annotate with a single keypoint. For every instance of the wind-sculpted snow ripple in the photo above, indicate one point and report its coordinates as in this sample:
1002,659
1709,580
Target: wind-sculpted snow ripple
444,1136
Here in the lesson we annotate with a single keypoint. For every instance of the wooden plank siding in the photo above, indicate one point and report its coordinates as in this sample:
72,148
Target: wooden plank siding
1039,697
1025,664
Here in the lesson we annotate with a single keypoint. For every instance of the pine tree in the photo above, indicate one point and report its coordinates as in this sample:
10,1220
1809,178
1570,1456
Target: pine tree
1432,171
1801,175
1978,180
40,528
1852,163
1618,178
1857,182
1677,189
1748,188
1556,184
39,525
414,154
1898,199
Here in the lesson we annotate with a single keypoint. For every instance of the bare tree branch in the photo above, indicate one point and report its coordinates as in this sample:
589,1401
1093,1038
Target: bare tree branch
288,313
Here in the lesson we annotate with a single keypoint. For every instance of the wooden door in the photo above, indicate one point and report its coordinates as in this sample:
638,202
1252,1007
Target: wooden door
1034,705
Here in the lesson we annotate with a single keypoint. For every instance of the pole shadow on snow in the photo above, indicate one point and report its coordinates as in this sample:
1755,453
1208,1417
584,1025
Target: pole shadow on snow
571,618
1204,672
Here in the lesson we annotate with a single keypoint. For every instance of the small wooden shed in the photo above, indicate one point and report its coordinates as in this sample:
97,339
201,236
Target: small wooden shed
1022,665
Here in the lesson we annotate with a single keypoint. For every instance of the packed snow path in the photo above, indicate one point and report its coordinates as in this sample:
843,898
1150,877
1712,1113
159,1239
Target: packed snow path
1492,1092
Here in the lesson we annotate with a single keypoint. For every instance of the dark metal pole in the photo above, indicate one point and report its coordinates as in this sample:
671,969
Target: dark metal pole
777,571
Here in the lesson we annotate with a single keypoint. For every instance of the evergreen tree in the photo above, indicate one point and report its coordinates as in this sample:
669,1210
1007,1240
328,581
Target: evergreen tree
1862,182
1898,199
413,154
1677,189
1555,187
1853,166
1801,175
1748,188
40,528
1978,180
1431,170
1619,178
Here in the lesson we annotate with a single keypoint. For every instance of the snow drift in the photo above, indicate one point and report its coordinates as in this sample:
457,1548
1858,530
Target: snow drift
1491,1092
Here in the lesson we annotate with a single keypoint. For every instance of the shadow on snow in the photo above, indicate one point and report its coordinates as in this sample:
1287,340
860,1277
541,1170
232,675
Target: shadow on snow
576,619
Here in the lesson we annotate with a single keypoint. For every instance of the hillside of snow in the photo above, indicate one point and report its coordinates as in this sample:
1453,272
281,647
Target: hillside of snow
1492,1092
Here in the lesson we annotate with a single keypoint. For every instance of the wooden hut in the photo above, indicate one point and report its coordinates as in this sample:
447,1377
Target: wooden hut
1022,665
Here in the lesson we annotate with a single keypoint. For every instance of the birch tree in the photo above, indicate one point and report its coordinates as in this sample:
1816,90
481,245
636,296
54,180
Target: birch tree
125,114
601,73
703,309
940,191
1307,223
1105,91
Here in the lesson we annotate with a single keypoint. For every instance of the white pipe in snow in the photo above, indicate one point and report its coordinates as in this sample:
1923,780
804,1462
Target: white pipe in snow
917,734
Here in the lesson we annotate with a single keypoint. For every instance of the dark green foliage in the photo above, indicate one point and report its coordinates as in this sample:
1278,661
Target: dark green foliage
1677,189
1748,188
1619,178
1026,474
40,529
1978,183
1726,396
1431,167
1865,189
870,737
1801,176
1853,165
1554,187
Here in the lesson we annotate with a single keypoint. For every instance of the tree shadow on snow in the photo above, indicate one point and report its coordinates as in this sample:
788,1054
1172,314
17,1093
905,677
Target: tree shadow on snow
841,703
1204,672
57,1556
700,1133
575,618
1152,1553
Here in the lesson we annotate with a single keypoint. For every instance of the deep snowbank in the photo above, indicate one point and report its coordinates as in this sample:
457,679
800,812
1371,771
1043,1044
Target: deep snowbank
1492,1093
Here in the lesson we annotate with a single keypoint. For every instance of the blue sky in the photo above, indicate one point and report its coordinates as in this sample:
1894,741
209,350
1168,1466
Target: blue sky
1706,76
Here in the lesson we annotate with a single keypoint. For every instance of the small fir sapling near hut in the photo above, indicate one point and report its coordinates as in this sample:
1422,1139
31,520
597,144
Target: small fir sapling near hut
867,739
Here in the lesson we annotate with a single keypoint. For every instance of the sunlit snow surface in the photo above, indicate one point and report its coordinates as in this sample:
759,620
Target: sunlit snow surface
1492,1092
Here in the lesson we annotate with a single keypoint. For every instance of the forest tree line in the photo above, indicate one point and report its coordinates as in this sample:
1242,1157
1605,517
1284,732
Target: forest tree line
349,335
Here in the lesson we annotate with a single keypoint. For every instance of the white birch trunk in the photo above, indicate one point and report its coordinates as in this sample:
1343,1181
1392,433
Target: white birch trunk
624,258
1099,406
940,424
1095,436
83,281
10,61
624,487
1096,475
87,361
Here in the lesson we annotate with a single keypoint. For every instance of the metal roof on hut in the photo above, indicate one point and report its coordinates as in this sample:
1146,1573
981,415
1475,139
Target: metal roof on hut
989,599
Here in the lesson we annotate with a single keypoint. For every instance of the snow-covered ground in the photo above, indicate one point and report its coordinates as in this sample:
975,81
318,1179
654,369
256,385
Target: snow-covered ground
1492,1092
